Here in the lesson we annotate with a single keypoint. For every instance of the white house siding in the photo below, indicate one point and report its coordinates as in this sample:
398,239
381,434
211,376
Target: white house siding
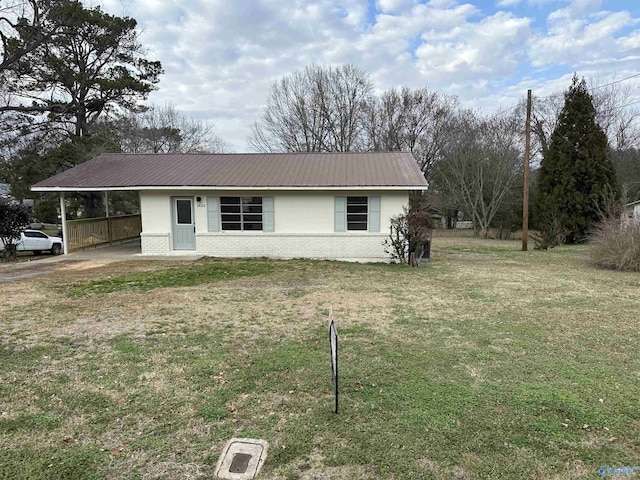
302,212
303,226
156,212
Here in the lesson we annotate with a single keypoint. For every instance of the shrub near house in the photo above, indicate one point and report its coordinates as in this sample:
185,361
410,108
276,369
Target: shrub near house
13,218
615,244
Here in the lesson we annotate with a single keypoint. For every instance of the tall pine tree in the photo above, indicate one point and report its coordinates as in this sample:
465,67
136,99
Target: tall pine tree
576,175
89,64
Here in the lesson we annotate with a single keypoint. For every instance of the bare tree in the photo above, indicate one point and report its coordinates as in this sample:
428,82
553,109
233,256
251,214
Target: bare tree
415,121
163,129
544,117
317,110
615,113
292,121
481,166
333,109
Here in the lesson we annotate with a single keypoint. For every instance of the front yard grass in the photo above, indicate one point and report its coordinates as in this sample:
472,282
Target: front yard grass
486,363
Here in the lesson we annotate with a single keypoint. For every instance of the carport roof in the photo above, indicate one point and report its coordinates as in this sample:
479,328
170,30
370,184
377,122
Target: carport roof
278,171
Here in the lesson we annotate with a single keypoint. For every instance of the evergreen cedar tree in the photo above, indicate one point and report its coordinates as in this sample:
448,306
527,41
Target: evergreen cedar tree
576,175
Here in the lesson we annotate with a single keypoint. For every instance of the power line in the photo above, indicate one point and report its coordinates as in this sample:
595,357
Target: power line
590,89
617,81
506,110
503,111
626,105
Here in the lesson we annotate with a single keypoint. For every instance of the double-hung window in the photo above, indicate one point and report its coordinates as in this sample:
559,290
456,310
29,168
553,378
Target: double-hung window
241,213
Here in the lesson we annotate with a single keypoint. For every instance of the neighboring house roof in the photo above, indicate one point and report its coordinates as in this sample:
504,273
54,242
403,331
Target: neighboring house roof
120,171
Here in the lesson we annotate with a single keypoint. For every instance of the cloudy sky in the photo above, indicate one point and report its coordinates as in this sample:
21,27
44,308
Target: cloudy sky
221,56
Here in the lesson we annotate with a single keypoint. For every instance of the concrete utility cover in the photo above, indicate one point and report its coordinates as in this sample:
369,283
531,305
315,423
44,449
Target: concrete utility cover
242,459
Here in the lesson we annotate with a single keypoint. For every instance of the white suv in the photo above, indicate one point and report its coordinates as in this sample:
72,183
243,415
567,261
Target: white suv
37,242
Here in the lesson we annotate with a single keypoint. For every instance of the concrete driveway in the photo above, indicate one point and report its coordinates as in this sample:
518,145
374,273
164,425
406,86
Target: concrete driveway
93,257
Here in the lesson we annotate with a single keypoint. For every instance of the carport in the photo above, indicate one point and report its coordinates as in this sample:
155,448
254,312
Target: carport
93,232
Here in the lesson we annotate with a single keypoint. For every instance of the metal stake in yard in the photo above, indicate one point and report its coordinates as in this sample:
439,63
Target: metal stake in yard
333,341
525,194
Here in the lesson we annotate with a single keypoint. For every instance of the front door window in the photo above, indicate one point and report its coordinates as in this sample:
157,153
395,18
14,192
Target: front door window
183,212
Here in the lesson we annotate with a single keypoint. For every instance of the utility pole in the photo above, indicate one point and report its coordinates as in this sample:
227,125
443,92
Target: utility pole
525,196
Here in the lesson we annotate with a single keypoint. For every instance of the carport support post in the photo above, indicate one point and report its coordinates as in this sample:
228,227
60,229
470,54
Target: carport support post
63,214
106,211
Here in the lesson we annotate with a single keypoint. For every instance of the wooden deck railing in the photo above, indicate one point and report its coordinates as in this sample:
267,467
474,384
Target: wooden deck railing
98,231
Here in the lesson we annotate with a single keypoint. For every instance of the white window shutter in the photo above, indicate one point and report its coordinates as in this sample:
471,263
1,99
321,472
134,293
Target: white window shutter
213,214
374,214
340,215
267,215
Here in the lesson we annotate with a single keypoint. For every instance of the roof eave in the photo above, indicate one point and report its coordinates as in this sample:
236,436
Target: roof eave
228,188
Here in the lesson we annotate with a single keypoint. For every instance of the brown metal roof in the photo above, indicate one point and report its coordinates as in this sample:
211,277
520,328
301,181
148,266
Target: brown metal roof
273,170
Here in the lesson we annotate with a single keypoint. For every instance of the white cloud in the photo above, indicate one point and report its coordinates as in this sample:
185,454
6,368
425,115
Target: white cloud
393,6
577,34
542,3
442,3
222,57
583,7
508,3
487,50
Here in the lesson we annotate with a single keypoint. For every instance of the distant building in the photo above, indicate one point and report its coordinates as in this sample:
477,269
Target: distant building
5,196
633,210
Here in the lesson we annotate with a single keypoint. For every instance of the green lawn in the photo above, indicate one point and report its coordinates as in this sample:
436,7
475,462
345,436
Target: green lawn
486,363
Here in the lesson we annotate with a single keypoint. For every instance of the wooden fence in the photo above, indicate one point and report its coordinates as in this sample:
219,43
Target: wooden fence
98,231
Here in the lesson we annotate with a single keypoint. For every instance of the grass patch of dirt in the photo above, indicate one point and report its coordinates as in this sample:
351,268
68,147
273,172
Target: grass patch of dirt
197,273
